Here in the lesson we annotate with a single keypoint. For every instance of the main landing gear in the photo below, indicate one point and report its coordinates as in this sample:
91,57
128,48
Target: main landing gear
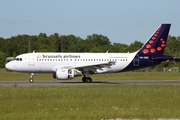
86,77
31,80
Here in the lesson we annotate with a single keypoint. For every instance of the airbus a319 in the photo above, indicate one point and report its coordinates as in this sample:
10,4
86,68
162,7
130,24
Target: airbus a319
65,66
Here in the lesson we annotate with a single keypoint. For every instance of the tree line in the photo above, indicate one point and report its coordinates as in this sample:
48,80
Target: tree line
70,43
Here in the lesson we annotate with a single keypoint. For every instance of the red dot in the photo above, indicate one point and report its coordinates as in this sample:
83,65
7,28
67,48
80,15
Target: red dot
163,45
153,38
159,48
153,50
151,41
145,51
163,41
148,46
155,35
157,32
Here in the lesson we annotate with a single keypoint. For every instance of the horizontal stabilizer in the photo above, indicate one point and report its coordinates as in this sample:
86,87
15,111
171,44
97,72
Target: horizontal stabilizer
164,58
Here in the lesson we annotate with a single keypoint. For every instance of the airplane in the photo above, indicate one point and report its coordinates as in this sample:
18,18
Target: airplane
65,66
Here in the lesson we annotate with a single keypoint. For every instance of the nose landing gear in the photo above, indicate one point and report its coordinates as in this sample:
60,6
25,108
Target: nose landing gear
31,80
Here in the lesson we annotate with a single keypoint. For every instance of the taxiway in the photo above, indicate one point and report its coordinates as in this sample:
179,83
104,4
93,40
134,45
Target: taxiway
95,82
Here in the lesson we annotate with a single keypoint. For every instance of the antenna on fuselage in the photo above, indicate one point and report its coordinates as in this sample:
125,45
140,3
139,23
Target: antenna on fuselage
34,51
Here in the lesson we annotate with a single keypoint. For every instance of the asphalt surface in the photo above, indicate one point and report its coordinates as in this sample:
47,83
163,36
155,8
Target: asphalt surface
99,82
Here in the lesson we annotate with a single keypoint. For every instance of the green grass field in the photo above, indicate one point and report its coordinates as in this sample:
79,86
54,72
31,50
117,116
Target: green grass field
90,102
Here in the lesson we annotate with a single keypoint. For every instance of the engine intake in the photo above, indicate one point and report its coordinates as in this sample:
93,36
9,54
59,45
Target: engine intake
64,74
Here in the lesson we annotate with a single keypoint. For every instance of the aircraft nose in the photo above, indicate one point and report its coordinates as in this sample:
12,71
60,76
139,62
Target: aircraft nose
9,66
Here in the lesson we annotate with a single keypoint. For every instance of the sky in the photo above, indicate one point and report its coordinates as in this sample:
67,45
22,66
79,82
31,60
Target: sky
122,21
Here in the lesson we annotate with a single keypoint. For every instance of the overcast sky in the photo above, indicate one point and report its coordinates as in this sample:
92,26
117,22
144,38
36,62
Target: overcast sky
122,21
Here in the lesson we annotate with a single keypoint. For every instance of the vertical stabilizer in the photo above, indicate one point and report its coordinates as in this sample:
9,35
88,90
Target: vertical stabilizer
157,42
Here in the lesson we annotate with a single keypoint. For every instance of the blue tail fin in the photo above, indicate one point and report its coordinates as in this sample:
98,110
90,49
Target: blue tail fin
157,42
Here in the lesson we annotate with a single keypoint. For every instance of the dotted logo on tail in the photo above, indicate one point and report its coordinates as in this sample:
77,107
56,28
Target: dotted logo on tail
149,46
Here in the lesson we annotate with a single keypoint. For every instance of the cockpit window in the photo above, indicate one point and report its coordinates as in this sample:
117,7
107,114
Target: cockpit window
18,59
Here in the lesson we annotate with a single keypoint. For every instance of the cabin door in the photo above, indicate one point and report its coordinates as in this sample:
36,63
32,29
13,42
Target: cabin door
31,60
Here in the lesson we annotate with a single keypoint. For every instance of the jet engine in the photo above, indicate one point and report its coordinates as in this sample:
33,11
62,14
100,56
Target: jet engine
65,74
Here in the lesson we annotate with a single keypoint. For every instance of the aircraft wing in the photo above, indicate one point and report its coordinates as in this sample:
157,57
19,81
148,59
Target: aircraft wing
106,64
93,66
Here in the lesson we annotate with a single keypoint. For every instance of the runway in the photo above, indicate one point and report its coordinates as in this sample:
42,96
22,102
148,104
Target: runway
98,82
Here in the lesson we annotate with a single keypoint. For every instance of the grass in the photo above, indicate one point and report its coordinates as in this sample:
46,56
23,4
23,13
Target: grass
5,75
90,102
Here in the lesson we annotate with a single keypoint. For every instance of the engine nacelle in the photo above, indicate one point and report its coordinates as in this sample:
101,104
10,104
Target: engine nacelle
64,74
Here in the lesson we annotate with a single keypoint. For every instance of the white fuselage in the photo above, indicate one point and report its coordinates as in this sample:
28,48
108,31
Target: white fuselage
50,62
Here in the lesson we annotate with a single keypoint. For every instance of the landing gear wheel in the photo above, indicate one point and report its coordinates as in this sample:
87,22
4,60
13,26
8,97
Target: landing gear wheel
86,79
31,80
